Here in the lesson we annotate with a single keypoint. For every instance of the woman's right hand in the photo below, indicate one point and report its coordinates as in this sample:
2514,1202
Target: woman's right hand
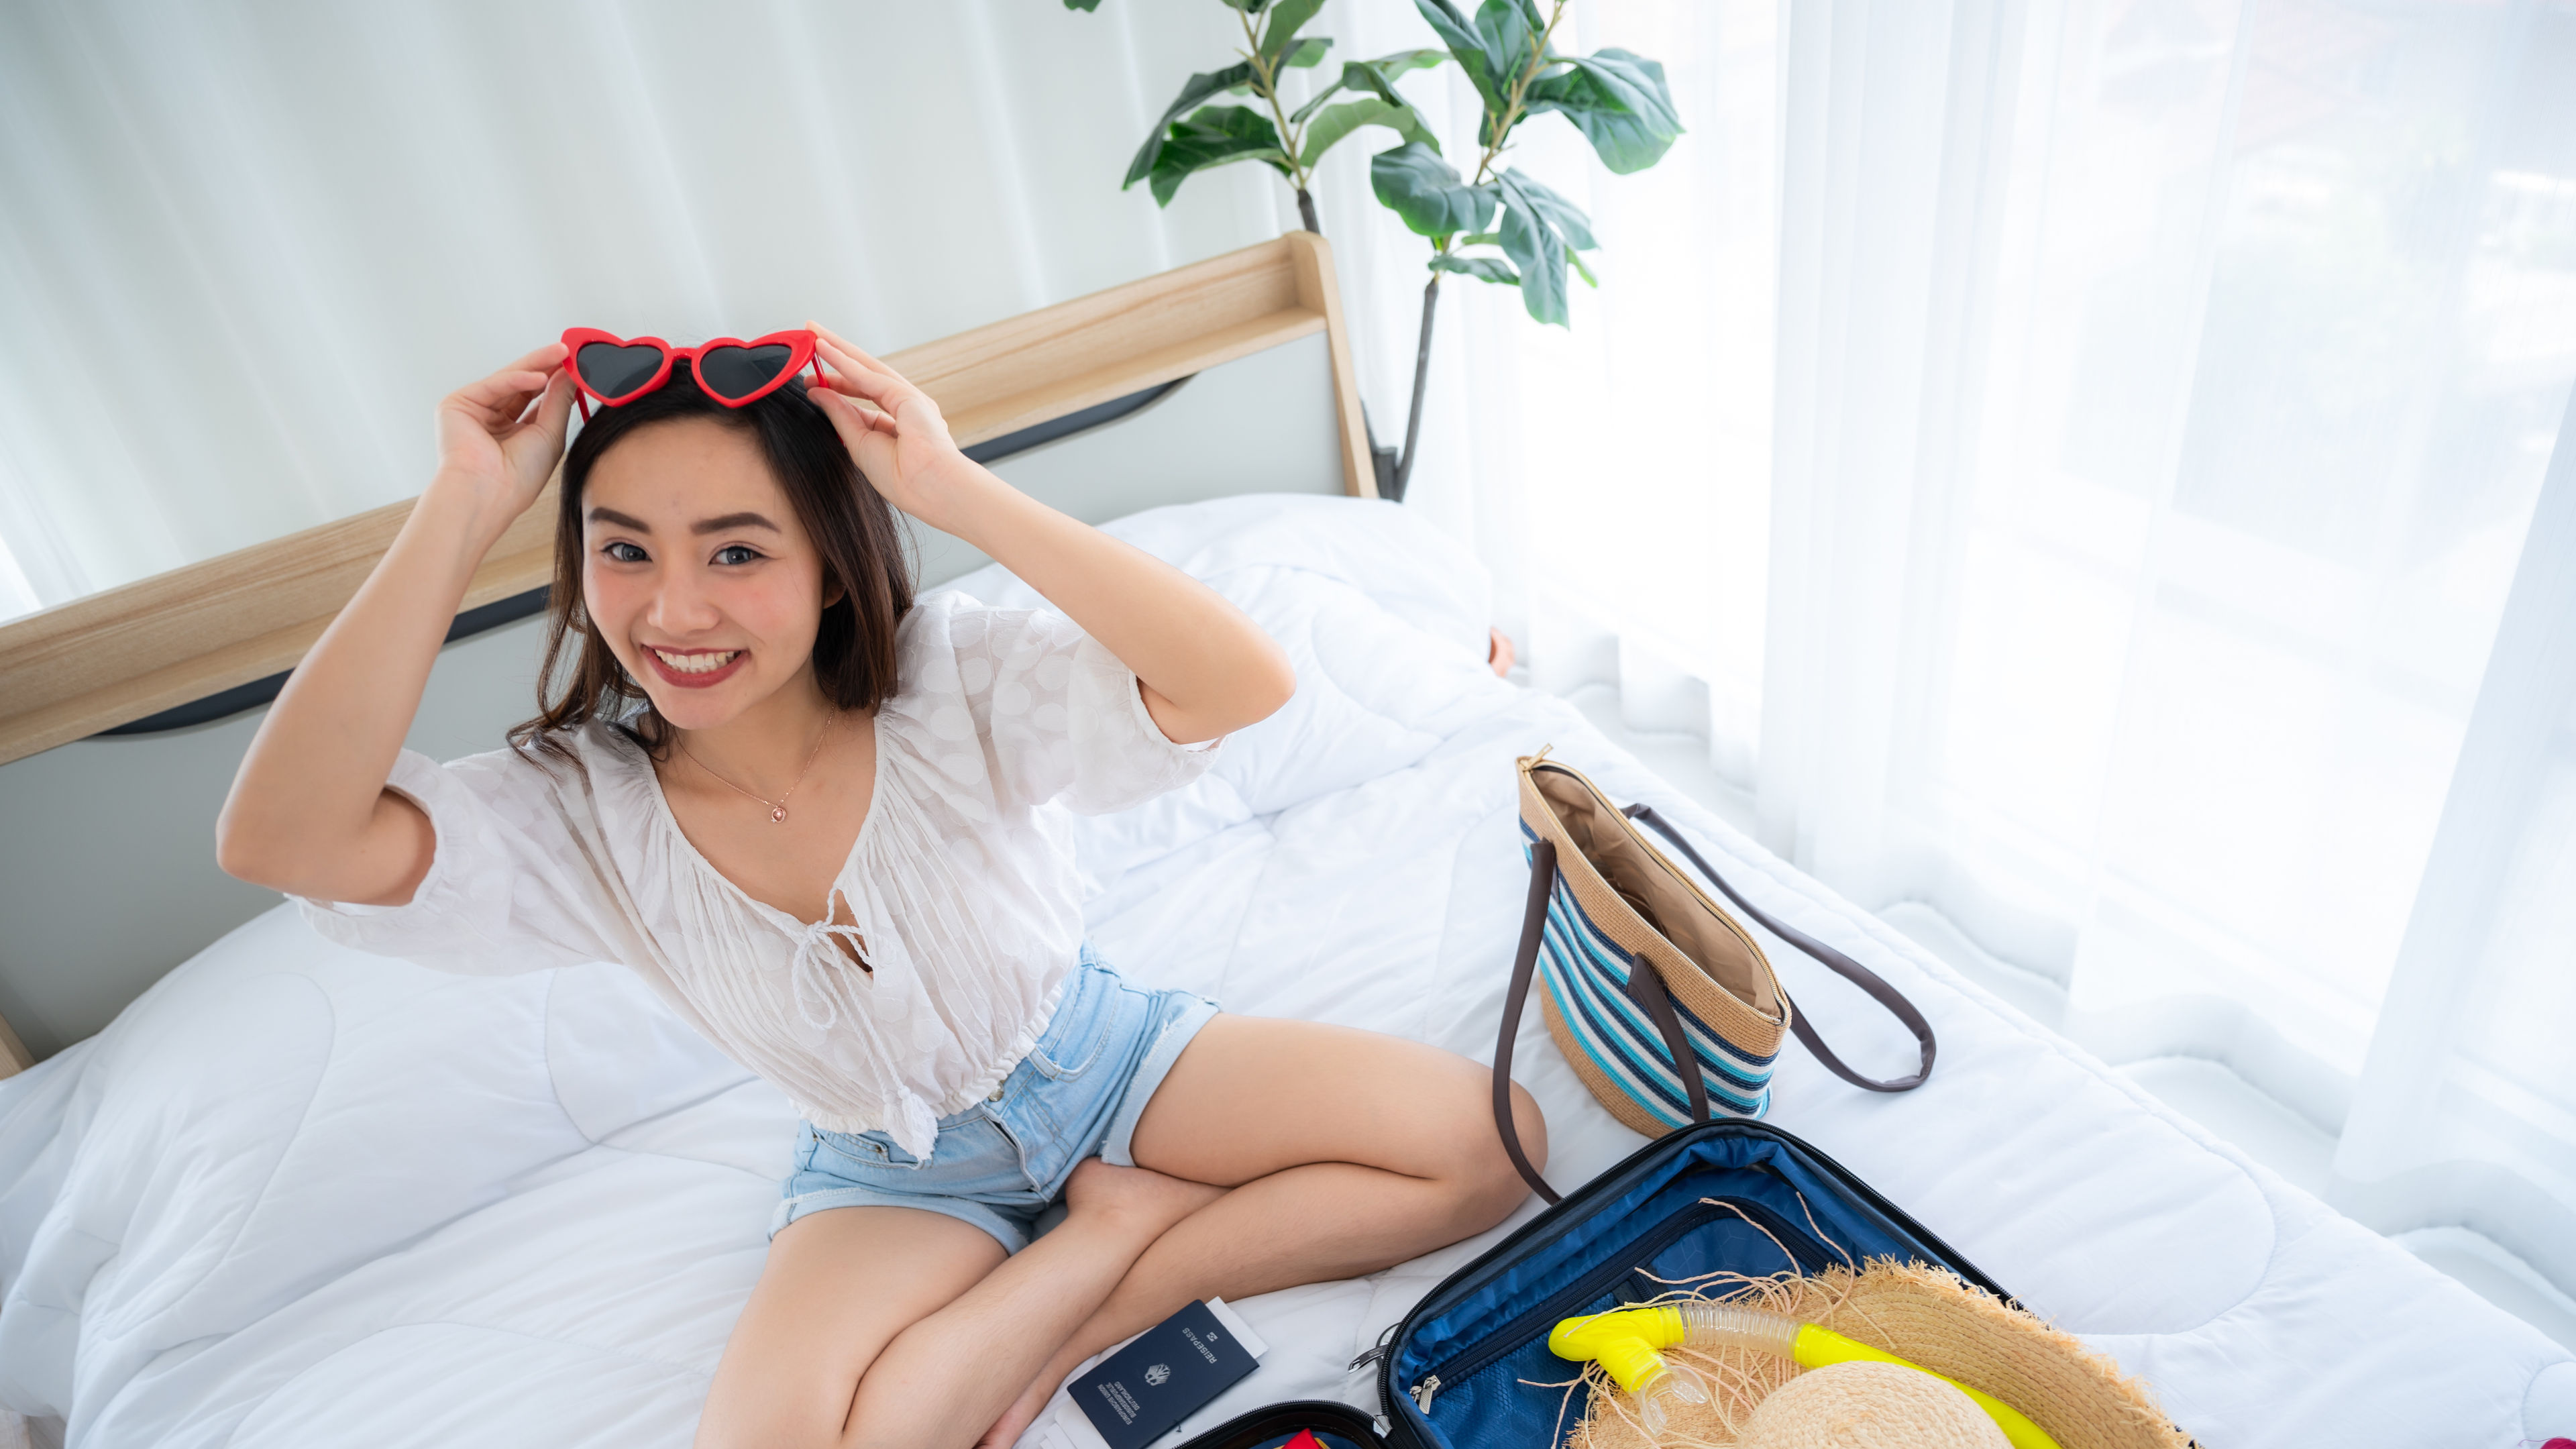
497,448
309,812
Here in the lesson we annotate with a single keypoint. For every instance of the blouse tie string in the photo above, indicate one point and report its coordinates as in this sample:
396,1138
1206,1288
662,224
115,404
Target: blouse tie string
812,966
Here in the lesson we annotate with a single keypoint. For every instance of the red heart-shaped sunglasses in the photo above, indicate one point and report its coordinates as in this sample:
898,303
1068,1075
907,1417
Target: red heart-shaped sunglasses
618,370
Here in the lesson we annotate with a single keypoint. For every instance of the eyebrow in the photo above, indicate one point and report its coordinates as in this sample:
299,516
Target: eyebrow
732,521
725,524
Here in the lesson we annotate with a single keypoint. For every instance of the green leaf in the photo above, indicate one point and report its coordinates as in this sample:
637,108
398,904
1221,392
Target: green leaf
1426,192
1308,52
1377,77
1081,4
1466,45
1483,269
1287,17
1530,238
1214,136
1562,214
1574,259
1199,88
1510,30
1618,101
1298,116
1341,120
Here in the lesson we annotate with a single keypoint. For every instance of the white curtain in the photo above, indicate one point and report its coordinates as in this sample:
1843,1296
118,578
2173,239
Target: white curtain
2079,463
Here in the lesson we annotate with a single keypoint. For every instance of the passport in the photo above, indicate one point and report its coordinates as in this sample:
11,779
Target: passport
1165,1374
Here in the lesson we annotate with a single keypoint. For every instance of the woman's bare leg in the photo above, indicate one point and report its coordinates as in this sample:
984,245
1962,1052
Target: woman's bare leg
896,1326
1347,1152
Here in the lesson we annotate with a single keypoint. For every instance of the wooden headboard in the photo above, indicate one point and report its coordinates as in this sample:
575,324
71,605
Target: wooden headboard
206,636
70,672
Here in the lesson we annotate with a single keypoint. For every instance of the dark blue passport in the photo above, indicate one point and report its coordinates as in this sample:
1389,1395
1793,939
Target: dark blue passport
1173,1369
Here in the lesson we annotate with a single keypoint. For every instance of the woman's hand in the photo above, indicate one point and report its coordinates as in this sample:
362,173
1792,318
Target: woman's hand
496,447
895,432
309,812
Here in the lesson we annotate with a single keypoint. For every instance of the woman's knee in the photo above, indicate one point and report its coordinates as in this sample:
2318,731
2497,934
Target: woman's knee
1484,1184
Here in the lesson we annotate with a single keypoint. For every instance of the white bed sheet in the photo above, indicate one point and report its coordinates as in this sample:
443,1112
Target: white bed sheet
297,1195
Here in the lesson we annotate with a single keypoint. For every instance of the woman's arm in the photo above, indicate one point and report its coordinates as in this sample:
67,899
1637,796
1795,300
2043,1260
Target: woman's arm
309,813
1206,669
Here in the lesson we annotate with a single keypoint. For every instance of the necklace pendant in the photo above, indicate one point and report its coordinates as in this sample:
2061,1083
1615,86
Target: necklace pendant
778,813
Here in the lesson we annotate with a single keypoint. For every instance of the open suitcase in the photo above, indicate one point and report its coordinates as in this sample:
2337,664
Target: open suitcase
1723,1196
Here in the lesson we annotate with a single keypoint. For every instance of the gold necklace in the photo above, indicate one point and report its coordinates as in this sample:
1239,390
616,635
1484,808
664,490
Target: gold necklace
777,807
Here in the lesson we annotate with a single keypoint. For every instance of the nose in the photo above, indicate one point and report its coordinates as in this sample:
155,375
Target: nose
680,606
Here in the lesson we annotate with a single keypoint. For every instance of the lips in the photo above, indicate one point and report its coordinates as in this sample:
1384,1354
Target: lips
696,668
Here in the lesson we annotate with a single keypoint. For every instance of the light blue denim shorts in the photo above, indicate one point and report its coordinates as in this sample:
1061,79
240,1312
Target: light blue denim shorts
1000,1163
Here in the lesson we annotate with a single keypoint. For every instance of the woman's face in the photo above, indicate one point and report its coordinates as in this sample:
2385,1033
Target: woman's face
697,572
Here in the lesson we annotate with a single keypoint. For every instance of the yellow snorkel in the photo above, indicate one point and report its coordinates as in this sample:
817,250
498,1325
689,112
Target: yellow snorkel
1629,1345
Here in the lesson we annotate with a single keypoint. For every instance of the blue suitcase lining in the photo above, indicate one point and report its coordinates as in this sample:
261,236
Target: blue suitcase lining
1483,1336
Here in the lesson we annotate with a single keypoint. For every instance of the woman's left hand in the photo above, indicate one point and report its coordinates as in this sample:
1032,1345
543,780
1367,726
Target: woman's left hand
894,431
1204,669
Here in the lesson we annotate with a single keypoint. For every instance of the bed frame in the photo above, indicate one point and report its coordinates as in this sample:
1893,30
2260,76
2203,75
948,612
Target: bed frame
122,715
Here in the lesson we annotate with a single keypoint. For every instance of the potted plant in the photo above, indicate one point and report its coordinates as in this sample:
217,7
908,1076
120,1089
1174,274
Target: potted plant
1497,225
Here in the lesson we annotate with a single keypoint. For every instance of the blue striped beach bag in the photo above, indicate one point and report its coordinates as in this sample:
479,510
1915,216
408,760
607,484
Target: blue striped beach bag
1663,1002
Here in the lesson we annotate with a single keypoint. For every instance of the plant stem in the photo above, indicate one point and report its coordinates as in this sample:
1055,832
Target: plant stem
1421,378
1265,84
1511,116
1498,133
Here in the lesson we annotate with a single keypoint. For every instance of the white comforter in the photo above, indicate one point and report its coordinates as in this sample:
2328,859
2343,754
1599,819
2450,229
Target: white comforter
296,1195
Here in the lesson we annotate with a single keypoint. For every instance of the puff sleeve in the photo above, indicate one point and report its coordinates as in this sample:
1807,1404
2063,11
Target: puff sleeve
1062,717
509,888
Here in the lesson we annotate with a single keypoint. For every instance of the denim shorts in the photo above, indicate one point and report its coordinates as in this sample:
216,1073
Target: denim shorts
1000,1163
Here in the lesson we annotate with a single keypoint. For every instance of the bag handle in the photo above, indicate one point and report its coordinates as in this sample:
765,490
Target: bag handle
1524,966
1835,961
1646,987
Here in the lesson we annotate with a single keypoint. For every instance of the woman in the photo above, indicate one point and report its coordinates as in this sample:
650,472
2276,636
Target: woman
806,810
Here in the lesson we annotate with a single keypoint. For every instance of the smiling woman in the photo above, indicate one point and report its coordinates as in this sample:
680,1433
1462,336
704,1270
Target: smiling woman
671,555
901,953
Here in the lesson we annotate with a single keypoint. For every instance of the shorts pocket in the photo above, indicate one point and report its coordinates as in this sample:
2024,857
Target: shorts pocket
839,1151
1080,1031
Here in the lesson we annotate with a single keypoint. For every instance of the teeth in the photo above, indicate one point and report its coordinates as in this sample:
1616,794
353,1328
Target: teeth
696,663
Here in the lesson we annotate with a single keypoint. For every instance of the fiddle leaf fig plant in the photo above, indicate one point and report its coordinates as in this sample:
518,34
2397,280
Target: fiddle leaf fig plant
1498,224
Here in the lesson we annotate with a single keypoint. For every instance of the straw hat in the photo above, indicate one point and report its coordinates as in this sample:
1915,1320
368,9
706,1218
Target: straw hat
1868,1406
1924,1315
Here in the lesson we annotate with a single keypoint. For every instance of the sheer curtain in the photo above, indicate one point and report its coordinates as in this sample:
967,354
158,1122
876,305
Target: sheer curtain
2113,517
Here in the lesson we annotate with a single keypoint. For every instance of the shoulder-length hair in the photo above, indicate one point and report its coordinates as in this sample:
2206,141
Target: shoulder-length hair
862,546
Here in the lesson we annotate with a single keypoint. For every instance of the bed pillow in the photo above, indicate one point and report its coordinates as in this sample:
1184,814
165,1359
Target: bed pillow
1383,617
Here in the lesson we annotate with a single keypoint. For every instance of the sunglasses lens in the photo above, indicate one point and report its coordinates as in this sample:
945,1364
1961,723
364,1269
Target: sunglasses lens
738,372
614,371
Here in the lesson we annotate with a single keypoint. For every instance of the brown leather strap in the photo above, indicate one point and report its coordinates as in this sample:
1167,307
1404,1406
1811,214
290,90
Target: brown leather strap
1834,961
1647,988
1524,967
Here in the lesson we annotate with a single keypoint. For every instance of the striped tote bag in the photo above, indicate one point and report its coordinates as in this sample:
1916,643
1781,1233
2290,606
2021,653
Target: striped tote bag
1663,1002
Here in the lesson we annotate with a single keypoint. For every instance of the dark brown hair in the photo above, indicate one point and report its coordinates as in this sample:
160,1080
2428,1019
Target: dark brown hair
853,528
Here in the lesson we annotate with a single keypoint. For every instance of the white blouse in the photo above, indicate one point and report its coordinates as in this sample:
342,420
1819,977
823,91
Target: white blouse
963,888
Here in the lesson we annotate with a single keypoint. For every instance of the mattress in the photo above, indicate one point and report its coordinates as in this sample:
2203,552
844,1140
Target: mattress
297,1195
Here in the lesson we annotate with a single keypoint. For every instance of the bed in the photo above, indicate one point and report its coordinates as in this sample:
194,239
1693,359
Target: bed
296,1195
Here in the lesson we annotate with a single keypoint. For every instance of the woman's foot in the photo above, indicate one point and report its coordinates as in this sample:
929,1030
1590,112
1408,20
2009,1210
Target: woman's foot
1116,1200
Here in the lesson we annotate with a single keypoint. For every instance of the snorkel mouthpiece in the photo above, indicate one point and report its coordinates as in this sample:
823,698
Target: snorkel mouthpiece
1626,1344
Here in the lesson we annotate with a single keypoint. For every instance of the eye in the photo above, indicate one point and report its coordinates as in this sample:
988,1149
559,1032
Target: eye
737,553
624,552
